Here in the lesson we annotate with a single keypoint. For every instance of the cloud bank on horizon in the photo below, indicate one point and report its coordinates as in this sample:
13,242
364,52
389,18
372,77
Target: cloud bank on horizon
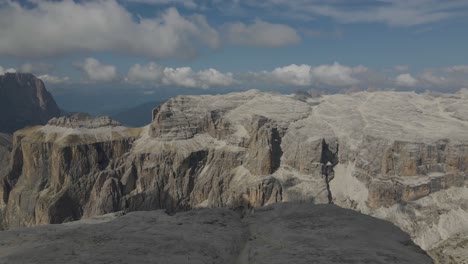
211,44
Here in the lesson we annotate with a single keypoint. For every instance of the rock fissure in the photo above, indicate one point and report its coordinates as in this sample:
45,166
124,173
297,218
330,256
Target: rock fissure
328,160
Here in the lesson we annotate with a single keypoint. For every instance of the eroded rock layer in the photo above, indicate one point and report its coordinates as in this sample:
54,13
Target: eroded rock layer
397,156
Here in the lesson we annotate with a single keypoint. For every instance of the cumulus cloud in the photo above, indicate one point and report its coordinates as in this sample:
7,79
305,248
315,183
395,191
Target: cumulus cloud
53,79
148,73
157,75
95,71
213,77
6,70
36,68
183,77
336,74
457,69
297,75
51,28
406,80
306,75
261,33
434,80
401,68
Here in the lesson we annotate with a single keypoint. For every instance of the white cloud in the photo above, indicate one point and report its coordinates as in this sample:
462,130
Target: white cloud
150,72
457,69
36,68
401,68
406,80
429,78
183,77
297,75
94,70
336,74
262,34
395,13
305,75
185,3
53,79
6,70
156,75
213,77
389,12
51,28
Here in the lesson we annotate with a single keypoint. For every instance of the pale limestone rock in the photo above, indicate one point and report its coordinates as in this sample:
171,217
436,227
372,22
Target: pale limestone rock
451,251
397,156
5,150
82,120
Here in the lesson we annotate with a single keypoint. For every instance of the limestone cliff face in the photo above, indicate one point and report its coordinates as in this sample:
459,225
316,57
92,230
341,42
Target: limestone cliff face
397,156
54,175
407,171
5,149
24,101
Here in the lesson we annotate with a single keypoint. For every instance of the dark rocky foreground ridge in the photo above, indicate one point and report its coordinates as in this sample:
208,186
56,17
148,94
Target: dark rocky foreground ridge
283,233
24,101
402,157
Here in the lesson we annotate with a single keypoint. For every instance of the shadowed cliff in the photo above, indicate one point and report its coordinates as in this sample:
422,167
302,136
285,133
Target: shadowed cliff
24,101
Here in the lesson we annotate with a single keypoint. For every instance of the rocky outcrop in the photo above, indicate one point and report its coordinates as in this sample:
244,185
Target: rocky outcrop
5,149
451,251
24,101
83,120
284,233
398,156
55,175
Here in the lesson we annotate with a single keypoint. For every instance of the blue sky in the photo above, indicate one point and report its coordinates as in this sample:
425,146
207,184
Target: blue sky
210,46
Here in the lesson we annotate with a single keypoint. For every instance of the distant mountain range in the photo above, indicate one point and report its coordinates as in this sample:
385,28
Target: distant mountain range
25,101
137,116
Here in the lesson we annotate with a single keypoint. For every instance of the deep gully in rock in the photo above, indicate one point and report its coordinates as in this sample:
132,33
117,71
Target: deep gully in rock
328,161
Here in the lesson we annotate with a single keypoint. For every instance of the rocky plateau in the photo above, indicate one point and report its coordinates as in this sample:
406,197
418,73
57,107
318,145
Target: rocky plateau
401,157
281,233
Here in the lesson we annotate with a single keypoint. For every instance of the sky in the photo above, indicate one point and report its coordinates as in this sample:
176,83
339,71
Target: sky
138,50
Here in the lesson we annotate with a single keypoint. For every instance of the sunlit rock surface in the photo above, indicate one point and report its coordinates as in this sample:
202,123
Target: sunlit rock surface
451,251
402,157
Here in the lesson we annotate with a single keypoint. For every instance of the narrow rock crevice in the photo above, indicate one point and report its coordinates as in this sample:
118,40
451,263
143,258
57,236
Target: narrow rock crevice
328,161
276,151
6,191
327,174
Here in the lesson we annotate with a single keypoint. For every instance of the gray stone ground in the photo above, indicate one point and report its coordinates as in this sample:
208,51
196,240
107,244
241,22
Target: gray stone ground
282,233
